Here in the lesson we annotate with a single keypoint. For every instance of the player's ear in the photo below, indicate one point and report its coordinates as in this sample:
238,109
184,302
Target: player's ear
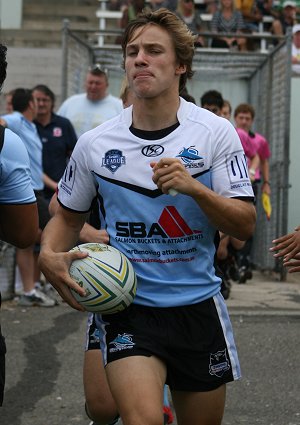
180,69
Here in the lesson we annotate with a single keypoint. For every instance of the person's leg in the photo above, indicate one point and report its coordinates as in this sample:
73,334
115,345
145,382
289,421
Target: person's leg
25,261
137,384
201,408
100,405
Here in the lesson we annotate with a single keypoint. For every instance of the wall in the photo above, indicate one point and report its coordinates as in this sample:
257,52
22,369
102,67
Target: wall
11,14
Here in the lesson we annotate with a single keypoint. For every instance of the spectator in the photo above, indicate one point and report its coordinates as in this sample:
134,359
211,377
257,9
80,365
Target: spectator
244,117
296,50
168,4
88,110
21,122
230,248
286,18
251,14
228,20
8,102
226,110
18,210
57,135
188,13
212,100
131,11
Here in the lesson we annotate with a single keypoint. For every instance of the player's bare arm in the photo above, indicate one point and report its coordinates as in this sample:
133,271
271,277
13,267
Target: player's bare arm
231,216
60,235
19,224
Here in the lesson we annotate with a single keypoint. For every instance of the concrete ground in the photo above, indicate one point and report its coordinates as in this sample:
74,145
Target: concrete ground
45,353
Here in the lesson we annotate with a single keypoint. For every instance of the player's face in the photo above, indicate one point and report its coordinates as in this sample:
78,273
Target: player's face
96,87
244,120
150,63
43,103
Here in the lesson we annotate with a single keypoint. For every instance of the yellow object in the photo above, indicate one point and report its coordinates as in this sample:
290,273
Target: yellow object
265,198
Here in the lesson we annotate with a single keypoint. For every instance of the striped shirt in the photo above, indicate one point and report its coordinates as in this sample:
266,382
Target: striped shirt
221,24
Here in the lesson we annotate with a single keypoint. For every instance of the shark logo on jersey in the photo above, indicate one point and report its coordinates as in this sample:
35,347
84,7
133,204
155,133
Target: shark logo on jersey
218,363
190,157
113,160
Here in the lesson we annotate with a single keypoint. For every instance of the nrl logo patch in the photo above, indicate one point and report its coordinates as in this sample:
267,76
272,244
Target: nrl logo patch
113,160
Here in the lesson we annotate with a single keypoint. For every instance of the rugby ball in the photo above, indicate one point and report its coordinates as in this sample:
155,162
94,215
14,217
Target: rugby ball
107,277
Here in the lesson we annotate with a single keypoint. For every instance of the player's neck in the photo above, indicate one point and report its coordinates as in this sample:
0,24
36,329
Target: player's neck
154,114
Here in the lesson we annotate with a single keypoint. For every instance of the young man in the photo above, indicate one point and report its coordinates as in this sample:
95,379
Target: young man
95,106
178,329
213,101
18,210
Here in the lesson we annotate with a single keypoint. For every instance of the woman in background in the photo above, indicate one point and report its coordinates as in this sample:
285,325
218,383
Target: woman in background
228,20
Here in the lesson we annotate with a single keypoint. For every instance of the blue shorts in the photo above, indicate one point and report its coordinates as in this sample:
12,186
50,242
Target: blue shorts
195,342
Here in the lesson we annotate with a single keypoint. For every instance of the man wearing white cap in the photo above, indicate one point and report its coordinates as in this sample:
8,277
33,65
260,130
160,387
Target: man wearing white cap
296,49
286,19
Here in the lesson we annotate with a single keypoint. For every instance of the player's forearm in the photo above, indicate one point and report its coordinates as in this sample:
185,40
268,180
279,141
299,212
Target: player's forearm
60,234
231,216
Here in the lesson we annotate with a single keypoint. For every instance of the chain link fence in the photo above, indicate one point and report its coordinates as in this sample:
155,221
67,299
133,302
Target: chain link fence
263,79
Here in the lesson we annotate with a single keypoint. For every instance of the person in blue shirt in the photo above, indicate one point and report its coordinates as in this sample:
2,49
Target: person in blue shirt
18,209
21,123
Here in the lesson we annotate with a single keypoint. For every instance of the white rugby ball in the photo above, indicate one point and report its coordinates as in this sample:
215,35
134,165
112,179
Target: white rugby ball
107,277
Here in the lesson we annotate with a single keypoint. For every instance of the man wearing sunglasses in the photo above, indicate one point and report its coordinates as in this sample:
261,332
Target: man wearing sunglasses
95,106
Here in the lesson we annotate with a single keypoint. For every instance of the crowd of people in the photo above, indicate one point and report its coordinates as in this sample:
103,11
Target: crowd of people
215,178
229,18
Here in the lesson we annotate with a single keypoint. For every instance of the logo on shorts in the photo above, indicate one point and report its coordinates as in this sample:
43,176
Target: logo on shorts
113,160
121,342
218,363
95,337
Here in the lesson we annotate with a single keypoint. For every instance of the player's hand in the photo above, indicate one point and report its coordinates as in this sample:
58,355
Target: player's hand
292,265
287,246
169,173
55,267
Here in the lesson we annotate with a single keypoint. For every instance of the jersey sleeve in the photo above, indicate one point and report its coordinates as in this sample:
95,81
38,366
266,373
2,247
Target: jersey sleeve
77,187
15,177
230,177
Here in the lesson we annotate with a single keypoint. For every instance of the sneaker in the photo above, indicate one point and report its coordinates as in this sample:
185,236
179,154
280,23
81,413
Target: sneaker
47,289
37,299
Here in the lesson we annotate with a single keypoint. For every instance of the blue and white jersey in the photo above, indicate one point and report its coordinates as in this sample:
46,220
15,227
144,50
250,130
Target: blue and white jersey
15,179
27,131
169,240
